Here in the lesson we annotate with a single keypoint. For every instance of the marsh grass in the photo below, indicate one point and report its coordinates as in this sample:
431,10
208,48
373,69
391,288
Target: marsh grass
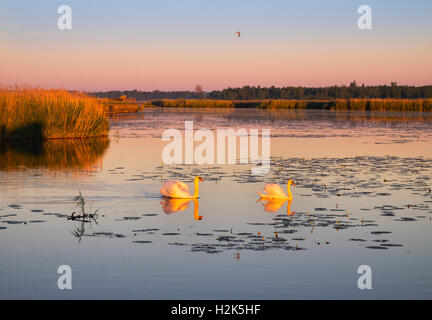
85,215
114,107
35,113
400,105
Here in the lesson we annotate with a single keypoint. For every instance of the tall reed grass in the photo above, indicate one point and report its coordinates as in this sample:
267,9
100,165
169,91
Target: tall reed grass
35,113
401,105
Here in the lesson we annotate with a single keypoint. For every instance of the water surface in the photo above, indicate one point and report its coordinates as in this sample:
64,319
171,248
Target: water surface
362,197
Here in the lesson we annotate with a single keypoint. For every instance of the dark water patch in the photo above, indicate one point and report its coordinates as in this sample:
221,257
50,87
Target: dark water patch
58,215
37,221
388,214
15,206
180,244
203,234
225,238
3,228
391,245
131,218
406,219
171,234
357,240
142,241
37,210
8,215
376,247
380,232
108,235
15,222
145,230
149,215
289,231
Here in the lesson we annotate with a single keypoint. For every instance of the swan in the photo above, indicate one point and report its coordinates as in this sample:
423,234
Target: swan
274,191
180,190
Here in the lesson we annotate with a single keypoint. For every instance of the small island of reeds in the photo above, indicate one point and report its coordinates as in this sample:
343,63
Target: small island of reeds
35,113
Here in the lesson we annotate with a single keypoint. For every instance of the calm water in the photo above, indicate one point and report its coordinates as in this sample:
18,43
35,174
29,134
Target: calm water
362,197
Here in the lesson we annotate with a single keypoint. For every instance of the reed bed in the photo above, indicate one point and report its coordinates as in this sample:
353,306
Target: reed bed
399,105
35,113
114,107
192,103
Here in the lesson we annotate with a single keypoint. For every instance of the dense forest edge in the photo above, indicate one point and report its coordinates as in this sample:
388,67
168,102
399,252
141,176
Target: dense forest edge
353,91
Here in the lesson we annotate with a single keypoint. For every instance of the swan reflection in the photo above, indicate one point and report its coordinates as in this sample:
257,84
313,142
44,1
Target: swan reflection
171,205
273,205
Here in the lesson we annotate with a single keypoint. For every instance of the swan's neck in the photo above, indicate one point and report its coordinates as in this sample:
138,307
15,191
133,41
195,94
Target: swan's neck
196,185
289,190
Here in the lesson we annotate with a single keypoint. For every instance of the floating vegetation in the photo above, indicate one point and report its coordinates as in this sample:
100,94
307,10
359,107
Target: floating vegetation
85,215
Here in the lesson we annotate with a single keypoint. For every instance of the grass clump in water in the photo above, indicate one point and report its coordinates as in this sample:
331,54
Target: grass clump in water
35,113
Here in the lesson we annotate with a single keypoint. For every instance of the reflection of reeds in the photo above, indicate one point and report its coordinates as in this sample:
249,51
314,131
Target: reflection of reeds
52,154
34,113
403,105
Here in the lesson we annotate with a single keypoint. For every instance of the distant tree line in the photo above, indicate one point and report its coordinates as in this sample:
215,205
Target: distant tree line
148,95
392,91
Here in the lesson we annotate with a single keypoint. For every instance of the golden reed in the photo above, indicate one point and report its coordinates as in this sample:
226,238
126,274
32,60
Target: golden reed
418,105
35,113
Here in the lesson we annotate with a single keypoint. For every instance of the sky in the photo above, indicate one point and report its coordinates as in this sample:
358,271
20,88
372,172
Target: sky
177,44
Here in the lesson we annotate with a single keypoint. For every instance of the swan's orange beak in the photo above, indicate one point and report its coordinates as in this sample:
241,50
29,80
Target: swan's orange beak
293,184
200,179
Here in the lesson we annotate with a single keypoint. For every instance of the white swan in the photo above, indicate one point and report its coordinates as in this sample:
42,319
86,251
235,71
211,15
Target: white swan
274,191
180,190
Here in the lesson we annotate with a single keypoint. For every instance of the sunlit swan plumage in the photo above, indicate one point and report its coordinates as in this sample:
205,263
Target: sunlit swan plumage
274,191
180,190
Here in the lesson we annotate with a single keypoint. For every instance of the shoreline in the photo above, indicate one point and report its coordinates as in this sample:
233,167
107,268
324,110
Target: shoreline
380,105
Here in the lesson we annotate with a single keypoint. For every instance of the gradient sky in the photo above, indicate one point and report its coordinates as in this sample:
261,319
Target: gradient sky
177,44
